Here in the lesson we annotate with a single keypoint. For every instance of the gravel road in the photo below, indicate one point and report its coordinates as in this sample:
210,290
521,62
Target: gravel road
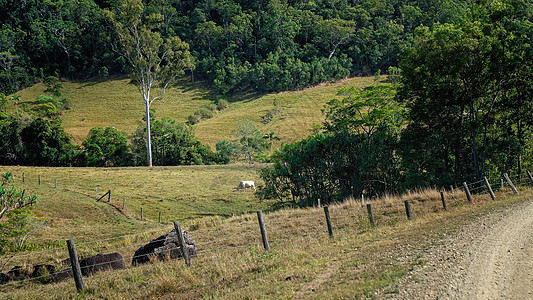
492,258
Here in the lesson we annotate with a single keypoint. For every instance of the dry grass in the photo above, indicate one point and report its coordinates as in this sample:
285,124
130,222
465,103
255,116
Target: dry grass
303,262
116,103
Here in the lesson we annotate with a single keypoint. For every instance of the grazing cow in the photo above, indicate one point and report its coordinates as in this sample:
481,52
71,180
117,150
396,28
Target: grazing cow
246,184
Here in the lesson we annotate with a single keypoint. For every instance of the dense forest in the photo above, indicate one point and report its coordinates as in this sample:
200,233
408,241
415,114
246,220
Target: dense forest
268,45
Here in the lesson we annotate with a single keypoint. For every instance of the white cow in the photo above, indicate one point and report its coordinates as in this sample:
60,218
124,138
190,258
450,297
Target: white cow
246,184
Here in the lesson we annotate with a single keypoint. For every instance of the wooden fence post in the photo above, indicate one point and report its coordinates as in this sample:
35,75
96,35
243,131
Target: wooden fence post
96,193
22,177
451,188
109,196
407,209
124,203
55,186
443,201
328,221
39,179
159,217
489,187
527,171
467,192
142,213
370,216
510,183
501,183
75,264
263,230
181,241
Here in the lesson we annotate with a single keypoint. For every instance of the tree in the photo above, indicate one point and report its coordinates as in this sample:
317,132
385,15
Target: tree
249,138
12,199
107,147
174,143
365,111
333,33
270,137
153,62
459,80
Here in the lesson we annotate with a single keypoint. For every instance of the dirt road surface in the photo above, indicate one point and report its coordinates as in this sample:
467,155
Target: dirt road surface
492,258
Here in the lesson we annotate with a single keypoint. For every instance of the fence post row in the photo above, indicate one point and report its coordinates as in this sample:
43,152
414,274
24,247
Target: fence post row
490,188
407,209
263,230
510,183
370,216
328,221
443,201
76,270
181,241
467,192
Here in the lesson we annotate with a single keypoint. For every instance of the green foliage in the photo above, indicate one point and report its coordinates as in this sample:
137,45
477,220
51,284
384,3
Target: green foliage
53,86
222,104
47,109
20,224
239,45
107,148
250,141
464,85
12,199
3,106
331,167
226,151
45,143
365,111
173,144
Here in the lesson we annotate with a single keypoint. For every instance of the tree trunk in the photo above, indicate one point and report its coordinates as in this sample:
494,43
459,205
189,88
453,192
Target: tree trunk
148,138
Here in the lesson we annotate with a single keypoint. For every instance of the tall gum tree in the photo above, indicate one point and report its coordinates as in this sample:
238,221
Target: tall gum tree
154,62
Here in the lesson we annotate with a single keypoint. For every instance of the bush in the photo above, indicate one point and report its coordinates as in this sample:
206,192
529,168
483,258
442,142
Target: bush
47,109
173,143
193,119
222,104
107,148
204,113
212,107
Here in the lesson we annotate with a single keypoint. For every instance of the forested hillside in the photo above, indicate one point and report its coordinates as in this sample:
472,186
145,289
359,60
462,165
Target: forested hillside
268,45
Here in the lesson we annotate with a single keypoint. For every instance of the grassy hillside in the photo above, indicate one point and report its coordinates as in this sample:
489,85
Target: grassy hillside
179,193
117,103
359,261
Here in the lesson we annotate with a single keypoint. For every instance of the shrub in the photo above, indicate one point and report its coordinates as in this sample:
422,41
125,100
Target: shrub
204,113
212,107
193,119
222,104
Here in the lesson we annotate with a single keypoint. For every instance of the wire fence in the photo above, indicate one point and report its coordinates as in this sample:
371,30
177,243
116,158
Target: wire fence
308,223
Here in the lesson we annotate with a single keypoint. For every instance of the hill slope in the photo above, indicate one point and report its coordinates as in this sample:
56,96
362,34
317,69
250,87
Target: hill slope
116,103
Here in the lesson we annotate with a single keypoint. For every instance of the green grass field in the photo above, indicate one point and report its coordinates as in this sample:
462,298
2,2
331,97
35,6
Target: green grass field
116,103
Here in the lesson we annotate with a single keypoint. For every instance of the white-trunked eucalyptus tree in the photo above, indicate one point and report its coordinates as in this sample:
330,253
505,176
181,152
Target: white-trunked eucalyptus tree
154,62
